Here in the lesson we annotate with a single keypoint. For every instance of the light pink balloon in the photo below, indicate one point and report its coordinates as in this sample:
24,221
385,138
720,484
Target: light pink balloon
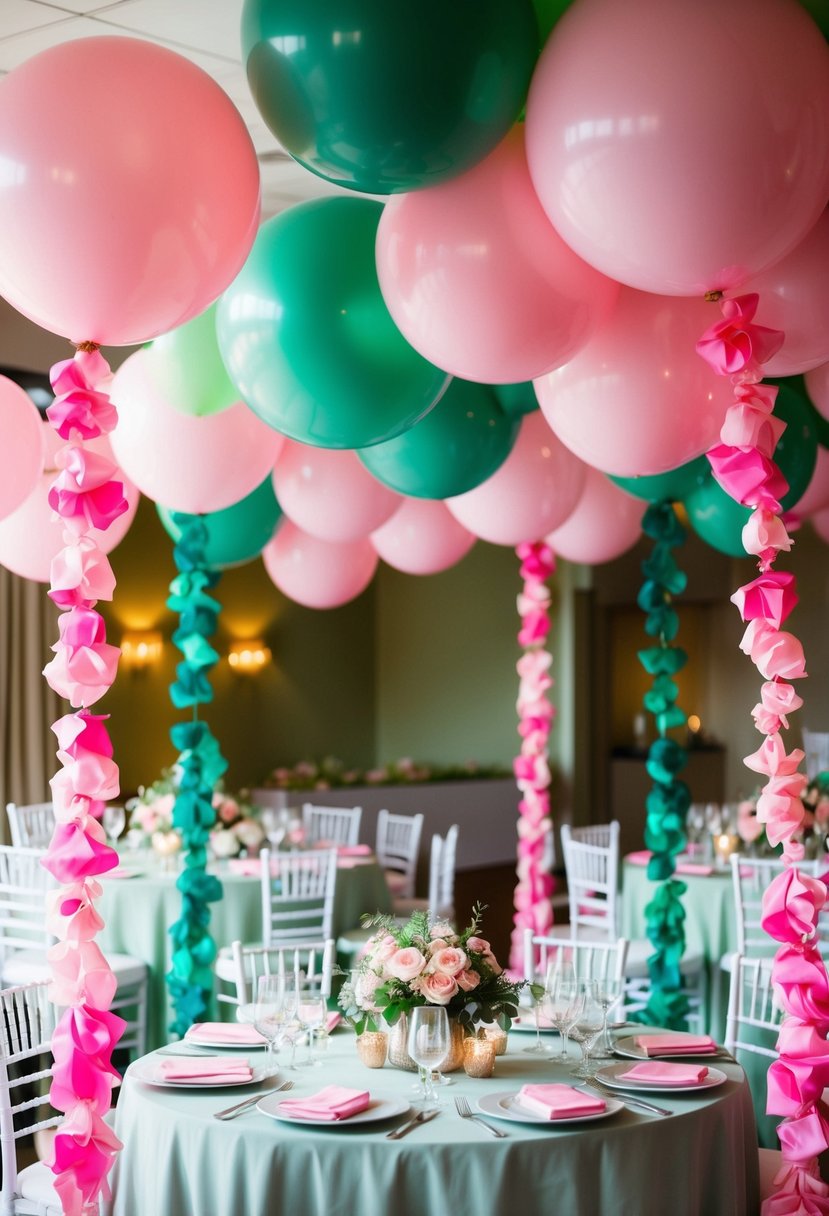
820,523
32,535
605,523
422,537
129,197
680,147
794,297
187,463
817,386
330,493
479,281
21,451
533,491
638,399
316,573
816,496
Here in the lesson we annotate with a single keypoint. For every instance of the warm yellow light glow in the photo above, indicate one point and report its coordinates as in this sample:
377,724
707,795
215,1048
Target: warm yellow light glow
140,649
693,723
248,657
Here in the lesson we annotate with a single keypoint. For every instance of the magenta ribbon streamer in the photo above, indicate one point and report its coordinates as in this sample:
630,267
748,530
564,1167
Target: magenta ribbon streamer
743,464
84,496
533,892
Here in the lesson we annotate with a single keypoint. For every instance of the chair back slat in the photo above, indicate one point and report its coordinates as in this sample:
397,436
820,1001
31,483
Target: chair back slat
298,896
31,826
442,874
591,862
24,884
331,825
27,1023
315,960
398,846
601,961
752,1005
750,877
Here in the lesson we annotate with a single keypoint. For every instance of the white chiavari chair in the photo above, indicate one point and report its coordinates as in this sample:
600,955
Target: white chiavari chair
315,960
32,825
331,825
397,847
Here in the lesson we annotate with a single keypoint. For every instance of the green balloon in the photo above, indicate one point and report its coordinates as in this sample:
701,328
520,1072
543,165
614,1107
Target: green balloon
516,399
188,369
717,518
389,95
459,443
667,487
307,338
238,533
547,13
819,10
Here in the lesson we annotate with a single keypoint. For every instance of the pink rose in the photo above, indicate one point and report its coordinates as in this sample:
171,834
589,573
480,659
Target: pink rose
440,943
450,960
441,928
467,980
438,988
478,945
749,827
228,810
406,964
364,989
382,950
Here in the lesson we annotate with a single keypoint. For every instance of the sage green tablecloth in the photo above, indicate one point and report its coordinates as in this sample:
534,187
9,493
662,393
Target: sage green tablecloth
180,1161
138,912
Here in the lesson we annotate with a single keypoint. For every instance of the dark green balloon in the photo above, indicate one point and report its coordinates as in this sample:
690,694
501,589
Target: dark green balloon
307,338
547,13
819,10
672,486
459,443
717,518
389,95
516,399
238,533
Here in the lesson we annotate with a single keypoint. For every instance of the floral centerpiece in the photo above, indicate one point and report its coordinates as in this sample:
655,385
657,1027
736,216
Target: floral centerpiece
815,827
332,774
237,824
425,962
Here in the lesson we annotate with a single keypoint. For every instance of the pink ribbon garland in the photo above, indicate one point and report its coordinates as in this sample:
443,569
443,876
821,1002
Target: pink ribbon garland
743,464
533,892
85,496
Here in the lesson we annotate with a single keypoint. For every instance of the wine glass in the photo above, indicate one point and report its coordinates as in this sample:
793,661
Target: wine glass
275,824
310,1013
587,1025
428,1045
559,994
291,1027
269,1009
537,1047
114,820
609,991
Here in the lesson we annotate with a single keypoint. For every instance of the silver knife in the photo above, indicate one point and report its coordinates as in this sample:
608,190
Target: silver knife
422,1116
628,1101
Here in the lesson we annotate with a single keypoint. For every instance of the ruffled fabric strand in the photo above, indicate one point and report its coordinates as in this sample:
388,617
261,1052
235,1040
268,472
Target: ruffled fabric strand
534,889
84,495
743,464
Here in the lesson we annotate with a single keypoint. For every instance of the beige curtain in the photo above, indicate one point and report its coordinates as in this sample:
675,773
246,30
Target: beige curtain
28,707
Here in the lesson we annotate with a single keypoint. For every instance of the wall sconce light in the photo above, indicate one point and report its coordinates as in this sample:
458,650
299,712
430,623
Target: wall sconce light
248,657
141,649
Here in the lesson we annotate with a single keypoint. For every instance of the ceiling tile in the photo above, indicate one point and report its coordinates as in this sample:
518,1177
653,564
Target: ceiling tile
20,47
204,25
18,16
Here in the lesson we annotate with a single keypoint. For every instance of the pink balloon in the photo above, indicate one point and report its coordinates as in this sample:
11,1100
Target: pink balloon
605,524
316,573
794,297
681,147
820,523
330,493
129,198
32,535
181,461
478,280
533,491
422,537
638,399
21,452
817,386
816,496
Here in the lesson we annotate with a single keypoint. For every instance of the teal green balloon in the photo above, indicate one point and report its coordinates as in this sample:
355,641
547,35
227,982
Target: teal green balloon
547,13
460,443
307,338
796,451
516,399
389,95
672,486
188,370
238,533
717,518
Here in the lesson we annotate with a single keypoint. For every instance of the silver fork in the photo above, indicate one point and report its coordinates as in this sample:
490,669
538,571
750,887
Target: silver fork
232,1111
465,1111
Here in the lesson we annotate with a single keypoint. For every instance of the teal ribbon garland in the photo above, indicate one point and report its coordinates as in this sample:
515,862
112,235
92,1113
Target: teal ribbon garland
200,765
668,801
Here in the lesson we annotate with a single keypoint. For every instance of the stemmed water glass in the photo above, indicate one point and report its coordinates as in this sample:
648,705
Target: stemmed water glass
428,1046
114,819
609,991
275,824
559,995
587,1025
537,1047
310,1013
269,1009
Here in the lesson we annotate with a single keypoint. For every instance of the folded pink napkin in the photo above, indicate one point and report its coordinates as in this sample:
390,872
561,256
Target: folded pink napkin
559,1101
665,1072
206,1071
250,867
333,1102
676,1044
683,867
354,850
333,1020
528,1019
239,1033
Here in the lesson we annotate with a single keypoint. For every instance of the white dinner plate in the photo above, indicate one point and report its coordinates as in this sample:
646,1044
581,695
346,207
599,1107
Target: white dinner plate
377,1109
611,1074
148,1071
629,1047
222,1044
505,1105
528,1027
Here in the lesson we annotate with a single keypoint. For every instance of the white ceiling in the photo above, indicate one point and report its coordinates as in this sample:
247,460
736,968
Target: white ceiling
205,31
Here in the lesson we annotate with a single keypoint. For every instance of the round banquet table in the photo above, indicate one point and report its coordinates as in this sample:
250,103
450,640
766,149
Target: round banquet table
139,910
178,1160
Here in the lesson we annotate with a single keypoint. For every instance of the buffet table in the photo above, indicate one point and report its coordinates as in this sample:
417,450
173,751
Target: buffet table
138,911
178,1160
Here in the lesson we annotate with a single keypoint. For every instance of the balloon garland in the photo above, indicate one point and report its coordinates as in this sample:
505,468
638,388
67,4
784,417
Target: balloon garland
84,495
668,800
200,764
743,464
533,892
